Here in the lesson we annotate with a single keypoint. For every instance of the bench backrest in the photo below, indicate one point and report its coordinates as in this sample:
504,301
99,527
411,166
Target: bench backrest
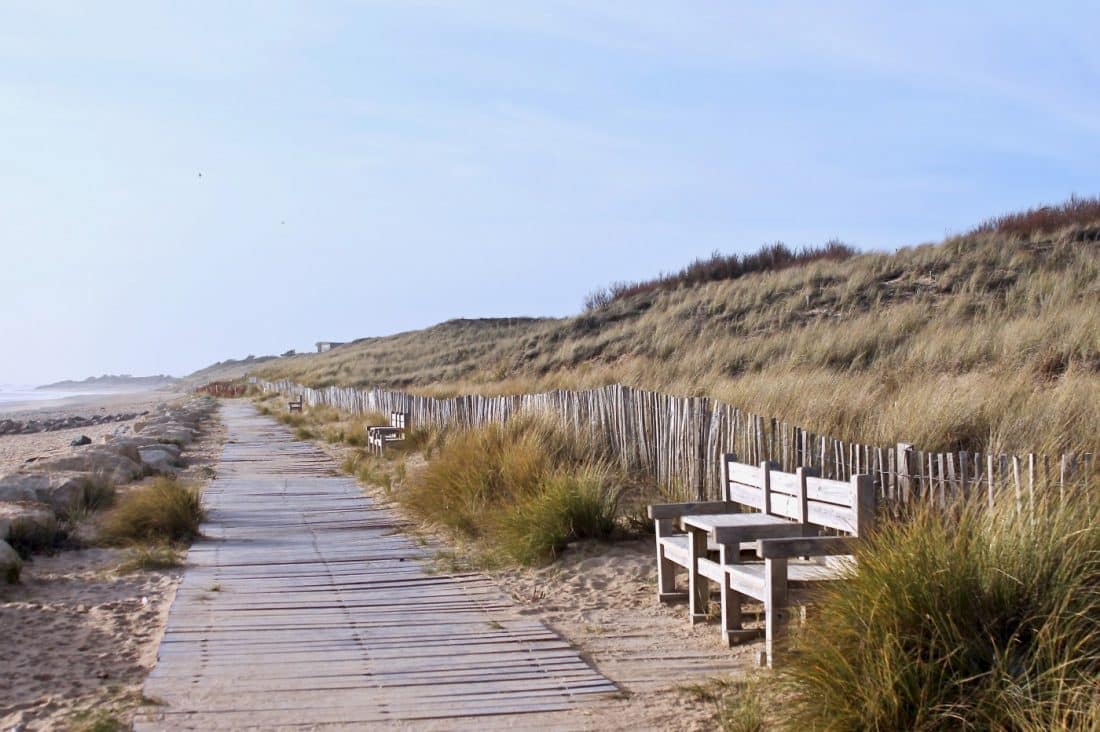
847,506
399,419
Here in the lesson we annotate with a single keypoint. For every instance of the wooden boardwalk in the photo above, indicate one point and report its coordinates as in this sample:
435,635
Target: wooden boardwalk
306,607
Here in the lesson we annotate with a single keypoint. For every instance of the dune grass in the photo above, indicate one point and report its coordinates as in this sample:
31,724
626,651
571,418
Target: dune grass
737,702
166,511
524,490
982,619
988,341
38,537
150,557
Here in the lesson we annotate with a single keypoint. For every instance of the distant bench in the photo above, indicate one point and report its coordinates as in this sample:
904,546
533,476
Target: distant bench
379,436
295,405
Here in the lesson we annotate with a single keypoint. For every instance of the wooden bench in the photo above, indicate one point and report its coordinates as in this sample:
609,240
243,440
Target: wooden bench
295,405
378,436
674,542
784,568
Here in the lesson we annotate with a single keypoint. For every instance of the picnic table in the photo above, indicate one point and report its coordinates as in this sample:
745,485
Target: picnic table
728,531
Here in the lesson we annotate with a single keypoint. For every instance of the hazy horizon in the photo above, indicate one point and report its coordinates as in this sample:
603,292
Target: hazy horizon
185,185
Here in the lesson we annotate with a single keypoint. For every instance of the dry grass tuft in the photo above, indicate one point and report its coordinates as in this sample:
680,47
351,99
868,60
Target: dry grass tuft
167,510
524,490
151,557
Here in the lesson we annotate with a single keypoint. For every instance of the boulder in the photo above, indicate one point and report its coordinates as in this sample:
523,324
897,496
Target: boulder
37,515
99,460
19,487
80,441
171,432
159,458
60,490
10,563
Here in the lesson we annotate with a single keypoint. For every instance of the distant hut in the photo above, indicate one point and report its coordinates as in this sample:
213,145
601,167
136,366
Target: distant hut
323,346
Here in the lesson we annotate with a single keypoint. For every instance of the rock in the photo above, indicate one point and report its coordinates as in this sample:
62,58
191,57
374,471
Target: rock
171,432
99,460
35,514
10,563
60,490
159,458
19,487
82,440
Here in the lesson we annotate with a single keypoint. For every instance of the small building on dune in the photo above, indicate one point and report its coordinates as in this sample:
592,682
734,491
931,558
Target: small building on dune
323,346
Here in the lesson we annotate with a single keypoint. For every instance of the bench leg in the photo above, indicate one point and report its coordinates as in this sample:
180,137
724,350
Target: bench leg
698,586
775,606
732,632
666,568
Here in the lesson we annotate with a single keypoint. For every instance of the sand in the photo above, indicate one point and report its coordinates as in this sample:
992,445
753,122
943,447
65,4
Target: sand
77,635
601,597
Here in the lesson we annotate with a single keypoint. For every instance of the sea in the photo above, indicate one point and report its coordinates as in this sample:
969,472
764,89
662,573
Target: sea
24,393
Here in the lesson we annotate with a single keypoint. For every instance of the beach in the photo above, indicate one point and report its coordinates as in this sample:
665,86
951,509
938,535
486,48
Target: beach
15,450
81,628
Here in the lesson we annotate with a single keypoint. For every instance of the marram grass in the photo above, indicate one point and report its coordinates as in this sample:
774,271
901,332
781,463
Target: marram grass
982,619
167,510
523,490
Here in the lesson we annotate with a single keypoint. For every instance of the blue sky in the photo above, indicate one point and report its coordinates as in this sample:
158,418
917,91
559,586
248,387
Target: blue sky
371,167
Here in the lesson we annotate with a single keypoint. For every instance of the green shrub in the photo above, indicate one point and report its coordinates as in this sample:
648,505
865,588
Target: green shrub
12,573
167,510
565,506
525,489
980,620
37,537
97,494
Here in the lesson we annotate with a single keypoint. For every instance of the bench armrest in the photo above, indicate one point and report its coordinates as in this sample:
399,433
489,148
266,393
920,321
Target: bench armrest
817,546
676,510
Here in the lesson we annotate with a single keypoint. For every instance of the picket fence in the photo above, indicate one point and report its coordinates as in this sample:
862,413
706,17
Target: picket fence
678,442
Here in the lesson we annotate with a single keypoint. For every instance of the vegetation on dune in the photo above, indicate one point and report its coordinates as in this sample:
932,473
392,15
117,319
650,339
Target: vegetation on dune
989,341
150,557
166,511
38,536
982,619
524,490
719,267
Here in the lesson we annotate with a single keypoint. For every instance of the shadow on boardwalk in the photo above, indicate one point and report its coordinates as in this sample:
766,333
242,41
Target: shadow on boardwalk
305,606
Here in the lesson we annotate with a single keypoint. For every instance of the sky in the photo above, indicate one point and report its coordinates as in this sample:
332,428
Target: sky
182,183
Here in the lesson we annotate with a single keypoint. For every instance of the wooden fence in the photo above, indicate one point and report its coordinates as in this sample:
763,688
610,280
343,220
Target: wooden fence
678,442
223,389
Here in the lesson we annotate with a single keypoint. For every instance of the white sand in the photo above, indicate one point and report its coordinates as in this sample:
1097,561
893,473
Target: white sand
76,635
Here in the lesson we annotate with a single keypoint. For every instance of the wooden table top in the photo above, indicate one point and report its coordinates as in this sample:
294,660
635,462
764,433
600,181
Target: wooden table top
733,528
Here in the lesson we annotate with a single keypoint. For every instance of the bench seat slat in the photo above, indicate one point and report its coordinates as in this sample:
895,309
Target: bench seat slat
748,577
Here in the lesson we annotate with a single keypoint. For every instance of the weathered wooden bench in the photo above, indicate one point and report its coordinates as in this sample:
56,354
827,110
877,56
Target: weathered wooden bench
785,568
379,436
674,542
295,405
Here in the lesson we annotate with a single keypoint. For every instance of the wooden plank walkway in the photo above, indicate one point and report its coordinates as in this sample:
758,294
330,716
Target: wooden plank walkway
306,607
